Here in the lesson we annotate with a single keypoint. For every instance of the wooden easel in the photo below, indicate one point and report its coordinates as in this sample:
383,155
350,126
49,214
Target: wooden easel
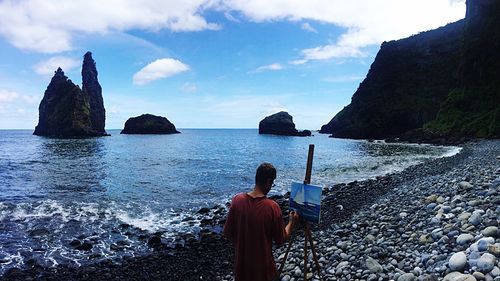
305,225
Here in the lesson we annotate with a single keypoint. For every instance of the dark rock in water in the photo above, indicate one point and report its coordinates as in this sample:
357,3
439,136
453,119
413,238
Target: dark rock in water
205,222
39,232
86,246
149,124
203,210
154,241
75,243
119,245
280,123
91,86
67,111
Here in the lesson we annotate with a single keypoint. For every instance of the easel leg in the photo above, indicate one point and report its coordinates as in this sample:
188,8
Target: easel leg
290,242
305,251
308,235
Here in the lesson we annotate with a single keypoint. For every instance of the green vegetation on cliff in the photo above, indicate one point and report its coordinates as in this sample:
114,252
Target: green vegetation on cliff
473,108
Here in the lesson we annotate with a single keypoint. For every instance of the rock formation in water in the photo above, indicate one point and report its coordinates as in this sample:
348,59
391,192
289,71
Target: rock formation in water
280,123
149,124
91,86
66,111
444,81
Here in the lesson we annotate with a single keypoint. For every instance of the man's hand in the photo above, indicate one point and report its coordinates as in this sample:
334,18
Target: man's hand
294,218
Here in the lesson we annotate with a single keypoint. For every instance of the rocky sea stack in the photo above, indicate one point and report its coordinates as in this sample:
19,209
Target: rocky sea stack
443,81
281,123
68,111
149,124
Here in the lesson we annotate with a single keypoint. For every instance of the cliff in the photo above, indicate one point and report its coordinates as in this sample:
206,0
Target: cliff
280,123
472,108
68,111
149,124
91,86
442,80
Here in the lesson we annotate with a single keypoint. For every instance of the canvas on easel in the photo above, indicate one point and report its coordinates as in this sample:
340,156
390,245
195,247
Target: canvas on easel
305,199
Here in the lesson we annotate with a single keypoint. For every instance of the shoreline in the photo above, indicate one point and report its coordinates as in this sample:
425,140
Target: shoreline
210,258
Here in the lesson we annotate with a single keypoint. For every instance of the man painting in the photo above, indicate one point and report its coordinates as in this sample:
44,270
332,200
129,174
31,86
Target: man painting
253,223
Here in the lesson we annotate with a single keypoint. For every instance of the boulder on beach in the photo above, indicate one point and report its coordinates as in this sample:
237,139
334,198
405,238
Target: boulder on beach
149,124
281,123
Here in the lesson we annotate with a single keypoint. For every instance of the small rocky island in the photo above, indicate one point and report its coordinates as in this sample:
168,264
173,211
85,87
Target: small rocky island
68,111
281,123
149,124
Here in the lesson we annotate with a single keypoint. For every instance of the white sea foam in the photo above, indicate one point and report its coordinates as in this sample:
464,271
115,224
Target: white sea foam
46,209
148,221
453,150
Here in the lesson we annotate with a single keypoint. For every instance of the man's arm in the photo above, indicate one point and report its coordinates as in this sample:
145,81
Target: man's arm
293,219
229,225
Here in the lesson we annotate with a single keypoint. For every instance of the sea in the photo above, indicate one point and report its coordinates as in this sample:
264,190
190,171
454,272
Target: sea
56,191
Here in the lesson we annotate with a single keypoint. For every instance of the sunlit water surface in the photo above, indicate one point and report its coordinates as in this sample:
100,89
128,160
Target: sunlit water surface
53,191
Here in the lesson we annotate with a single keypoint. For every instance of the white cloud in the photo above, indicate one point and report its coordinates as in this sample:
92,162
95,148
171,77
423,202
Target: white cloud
273,66
48,26
231,17
367,22
160,68
331,51
298,62
8,96
48,67
307,27
189,87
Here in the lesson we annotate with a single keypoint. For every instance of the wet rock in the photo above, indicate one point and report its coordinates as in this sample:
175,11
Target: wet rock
465,185
494,249
483,243
85,246
490,231
457,276
203,211
75,243
407,277
486,263
458,261
478,275
154,241
463,239
373,265
475,219
39,232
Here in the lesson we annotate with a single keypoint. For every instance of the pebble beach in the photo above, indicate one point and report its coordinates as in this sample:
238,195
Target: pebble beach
434,221
437,220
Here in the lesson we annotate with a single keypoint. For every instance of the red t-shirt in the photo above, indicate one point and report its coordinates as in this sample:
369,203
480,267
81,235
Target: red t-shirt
252,224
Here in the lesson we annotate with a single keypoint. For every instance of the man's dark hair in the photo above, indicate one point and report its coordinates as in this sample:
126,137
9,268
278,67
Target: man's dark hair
264,172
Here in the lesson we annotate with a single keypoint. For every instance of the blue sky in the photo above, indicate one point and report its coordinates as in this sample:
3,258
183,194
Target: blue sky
204,63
